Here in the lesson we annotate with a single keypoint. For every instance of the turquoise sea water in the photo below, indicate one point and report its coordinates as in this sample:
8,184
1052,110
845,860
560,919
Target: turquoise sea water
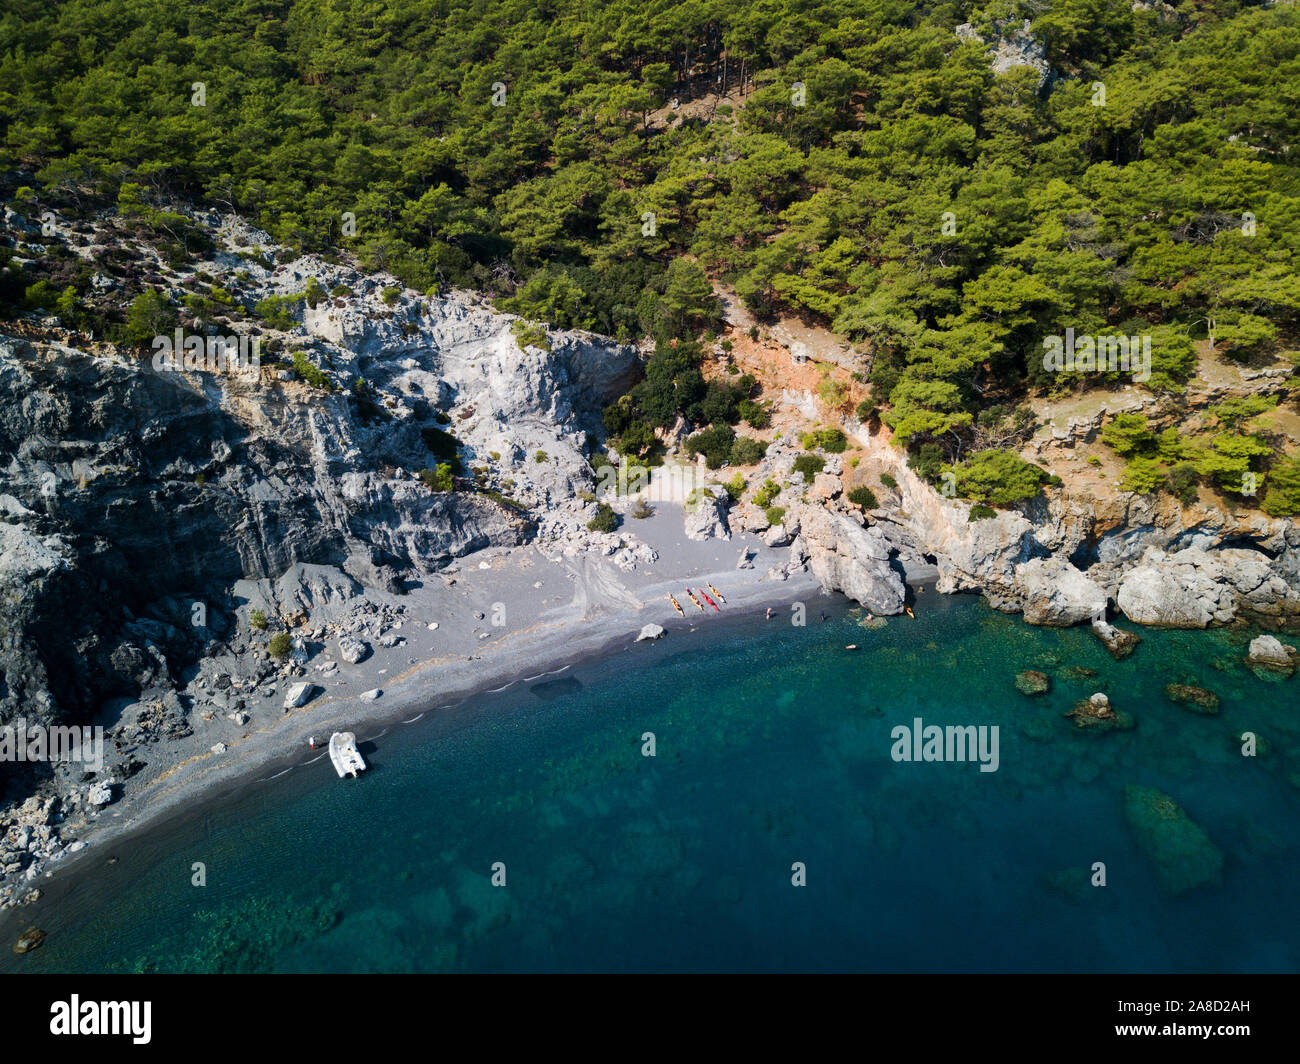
773,747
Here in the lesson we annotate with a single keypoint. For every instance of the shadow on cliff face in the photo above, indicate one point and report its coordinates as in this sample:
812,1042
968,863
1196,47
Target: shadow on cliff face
145,495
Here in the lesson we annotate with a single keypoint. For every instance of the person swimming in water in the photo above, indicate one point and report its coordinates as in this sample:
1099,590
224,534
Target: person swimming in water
769,613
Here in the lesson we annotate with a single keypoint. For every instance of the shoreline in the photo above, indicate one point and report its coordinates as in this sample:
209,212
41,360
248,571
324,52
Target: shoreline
557,640
440,763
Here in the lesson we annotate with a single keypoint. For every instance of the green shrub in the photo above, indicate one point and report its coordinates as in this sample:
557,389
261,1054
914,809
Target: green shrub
746,451
927,461
979,512
440,478
636,440
1128,434
1142,475
714,443
775,514
148,316
643,509
753,414
764,496
530,334
833,441
314,294
257,620
864,497
279,645
541,457
276,311
369,409
809,465
887,480
735,487
1282,499
390,295
998,478
1182,481
310,372
606,520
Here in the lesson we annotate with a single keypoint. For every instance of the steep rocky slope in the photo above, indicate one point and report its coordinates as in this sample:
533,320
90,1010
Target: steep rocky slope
132,499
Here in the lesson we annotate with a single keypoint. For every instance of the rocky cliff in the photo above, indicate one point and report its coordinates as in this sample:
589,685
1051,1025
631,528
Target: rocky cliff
1070,555
132,499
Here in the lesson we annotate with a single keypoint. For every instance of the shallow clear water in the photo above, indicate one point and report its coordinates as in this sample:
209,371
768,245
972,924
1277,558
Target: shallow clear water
773,747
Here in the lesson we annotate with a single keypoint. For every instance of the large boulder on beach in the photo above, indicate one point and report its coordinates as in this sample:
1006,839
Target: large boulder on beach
1183,855
1057,594
375,568
650,631
101,793
706,514
846,557
777,536
299,694
352,650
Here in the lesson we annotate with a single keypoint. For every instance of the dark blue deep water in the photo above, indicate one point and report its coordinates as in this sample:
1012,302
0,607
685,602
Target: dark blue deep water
773,747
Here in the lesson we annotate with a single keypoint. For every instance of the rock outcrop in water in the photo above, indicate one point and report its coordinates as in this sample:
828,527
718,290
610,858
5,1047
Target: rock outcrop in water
1055,593
846,557
1067,556
1181,853
1268,654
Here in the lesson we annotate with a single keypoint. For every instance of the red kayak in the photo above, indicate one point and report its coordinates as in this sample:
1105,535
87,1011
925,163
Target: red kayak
710,601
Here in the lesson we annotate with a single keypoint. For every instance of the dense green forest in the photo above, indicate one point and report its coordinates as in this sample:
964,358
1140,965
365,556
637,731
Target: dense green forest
866,169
